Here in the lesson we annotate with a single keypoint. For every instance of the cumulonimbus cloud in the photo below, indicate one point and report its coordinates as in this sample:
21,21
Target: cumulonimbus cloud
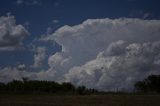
106,54
118,67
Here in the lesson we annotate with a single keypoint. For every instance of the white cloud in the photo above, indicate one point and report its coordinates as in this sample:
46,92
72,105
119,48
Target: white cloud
11,35
12,73
8,74
84,45
118,68
21,67
106,54
39,57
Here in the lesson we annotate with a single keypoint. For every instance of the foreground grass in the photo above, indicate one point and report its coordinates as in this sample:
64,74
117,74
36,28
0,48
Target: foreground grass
74,100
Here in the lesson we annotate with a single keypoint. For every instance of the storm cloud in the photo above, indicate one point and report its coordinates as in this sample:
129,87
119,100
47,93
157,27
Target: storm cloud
118,67
106,54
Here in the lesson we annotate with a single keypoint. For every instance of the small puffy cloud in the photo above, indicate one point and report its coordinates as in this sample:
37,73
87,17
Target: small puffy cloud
46,36
29,2
49,30
9,73
11,35
55,21
12,73
19,2
21,67
35,2
106,53
39,57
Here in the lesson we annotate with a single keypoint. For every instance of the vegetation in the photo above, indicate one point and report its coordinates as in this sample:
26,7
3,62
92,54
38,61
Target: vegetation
36,86
150,84
48,93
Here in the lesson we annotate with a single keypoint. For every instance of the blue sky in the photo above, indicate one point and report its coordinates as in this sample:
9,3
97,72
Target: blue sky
43,19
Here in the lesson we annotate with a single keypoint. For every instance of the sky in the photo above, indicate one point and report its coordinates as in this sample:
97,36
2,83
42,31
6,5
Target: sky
102,44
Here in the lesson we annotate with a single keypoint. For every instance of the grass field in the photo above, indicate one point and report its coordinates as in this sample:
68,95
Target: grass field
86,100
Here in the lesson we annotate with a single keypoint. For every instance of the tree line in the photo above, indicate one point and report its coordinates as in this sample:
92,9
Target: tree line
150,84
36,86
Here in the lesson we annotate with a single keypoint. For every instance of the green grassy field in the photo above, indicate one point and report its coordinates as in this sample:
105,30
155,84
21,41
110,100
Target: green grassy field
86,100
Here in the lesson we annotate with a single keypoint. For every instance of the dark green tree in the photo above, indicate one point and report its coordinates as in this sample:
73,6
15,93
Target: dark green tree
35,86
150,84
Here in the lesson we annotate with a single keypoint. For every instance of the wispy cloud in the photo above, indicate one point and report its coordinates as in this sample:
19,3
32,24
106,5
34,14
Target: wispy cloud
29,3
55,21
140,14
56,4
